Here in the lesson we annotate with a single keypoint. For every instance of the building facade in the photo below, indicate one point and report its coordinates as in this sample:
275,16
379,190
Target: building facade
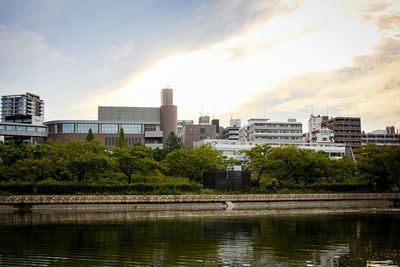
272,132
381,137
232,148
148,126
346,130
28,104
232,132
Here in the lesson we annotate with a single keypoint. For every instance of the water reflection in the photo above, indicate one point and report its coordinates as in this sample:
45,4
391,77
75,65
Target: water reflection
204,239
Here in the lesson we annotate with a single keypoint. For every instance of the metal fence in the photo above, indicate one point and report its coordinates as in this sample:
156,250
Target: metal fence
226,180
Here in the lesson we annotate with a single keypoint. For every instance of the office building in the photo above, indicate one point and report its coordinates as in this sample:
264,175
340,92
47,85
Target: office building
148,126
272,132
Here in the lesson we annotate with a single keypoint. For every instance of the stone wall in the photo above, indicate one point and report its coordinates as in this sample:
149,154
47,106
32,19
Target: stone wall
148,199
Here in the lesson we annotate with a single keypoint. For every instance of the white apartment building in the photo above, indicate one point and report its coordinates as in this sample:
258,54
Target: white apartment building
232,148
316,133
272,132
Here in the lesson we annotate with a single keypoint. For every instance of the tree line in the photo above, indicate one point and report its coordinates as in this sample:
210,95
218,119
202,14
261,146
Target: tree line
89,162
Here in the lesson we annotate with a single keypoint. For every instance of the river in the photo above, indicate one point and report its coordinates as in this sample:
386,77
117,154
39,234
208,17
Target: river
192,239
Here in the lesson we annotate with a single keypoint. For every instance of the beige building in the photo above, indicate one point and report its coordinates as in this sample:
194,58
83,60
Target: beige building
201,131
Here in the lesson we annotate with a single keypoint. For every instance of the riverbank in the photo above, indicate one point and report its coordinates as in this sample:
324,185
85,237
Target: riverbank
113,203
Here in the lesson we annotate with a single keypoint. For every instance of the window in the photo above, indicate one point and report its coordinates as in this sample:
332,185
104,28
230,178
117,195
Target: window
31,129
111,141
132,128
202,130
11,127
21,128
133,140
150,127
84,127
41,129
109,128
68,128
2,127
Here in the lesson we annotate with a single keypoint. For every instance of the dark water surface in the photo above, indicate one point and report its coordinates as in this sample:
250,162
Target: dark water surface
267,240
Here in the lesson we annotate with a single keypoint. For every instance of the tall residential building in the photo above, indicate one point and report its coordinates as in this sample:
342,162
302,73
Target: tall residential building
346,130
28,104
149,126
273,132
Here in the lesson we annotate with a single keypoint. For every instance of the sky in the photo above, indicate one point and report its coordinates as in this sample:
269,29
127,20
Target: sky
226,59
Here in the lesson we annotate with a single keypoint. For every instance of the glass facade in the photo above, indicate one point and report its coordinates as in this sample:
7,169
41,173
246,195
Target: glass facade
68,128
84,127
41,129
132,128
31,129
11,127
109,128
2,127
21,128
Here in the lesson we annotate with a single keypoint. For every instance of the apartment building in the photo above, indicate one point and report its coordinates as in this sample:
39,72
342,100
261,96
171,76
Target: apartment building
273,132
28,104
346,130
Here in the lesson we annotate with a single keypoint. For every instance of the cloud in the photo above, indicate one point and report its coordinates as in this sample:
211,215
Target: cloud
370,89
20,48
121,52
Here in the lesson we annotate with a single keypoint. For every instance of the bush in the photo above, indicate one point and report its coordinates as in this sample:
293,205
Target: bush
23,188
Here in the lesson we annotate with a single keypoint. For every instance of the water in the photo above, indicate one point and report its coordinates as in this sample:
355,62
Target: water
134,239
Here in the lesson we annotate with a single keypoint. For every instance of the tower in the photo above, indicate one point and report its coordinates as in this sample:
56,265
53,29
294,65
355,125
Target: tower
168,114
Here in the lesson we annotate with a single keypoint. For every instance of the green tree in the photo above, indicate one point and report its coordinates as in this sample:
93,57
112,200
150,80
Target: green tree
193,162
84,158
121,142
90,136
379,165
135,160
256,159
173,143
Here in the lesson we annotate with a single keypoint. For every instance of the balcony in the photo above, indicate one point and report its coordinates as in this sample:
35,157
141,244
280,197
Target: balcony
153,134
154,146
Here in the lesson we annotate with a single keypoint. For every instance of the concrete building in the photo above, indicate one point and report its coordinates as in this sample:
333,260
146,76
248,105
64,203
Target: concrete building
316,133
194,133
22,119
149,126
28,104
381,137
232,148
232,132
346,130
272,132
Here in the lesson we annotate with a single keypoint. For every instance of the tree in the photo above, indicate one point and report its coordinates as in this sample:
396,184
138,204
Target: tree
193,162
135,160
256,159
121,142
379,165
173,143
90,136
83,158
